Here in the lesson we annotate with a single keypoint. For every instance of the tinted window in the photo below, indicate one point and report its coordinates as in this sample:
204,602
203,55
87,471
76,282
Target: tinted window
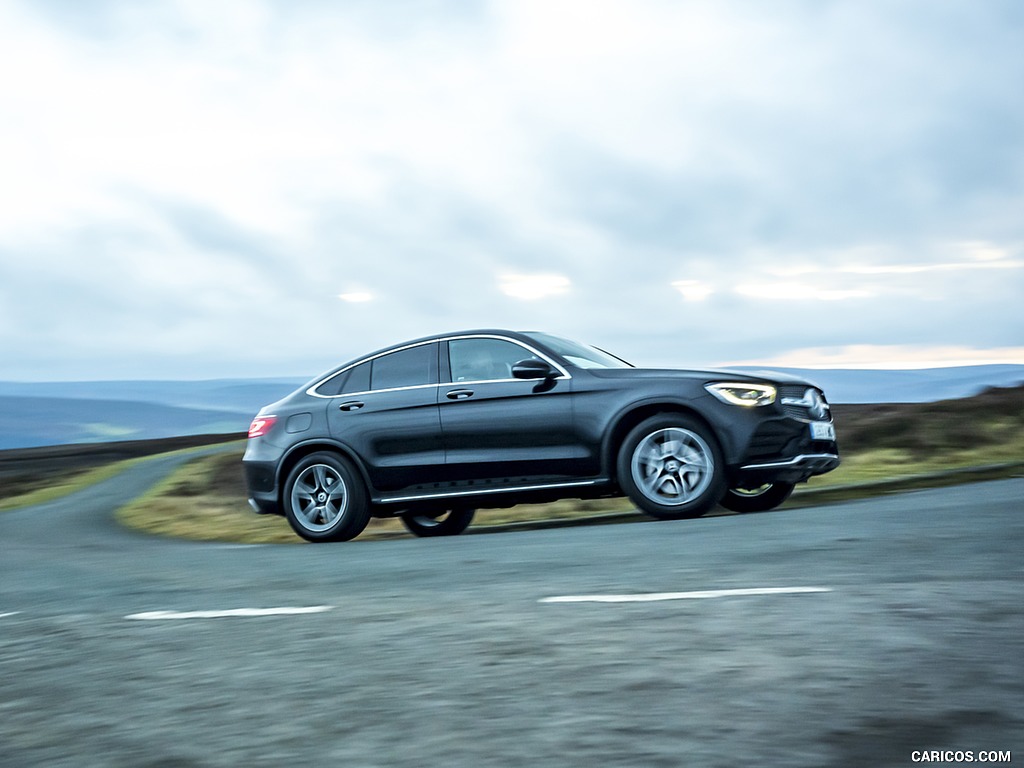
333,385
484,359
406,368
358,379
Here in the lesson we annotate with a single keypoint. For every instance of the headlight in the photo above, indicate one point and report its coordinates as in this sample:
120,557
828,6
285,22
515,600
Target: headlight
742,394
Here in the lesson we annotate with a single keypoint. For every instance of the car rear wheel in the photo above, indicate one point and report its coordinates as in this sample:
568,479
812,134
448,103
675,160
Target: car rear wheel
325,499
450,522
671,467
759,499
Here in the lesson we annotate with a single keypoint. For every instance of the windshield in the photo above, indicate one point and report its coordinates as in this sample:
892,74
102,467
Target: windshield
578,354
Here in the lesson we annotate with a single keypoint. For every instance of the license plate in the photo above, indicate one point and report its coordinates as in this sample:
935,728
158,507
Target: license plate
823,430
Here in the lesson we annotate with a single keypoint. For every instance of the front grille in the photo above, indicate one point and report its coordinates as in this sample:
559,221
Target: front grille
801,412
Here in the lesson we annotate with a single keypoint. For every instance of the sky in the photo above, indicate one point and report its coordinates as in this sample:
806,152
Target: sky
201,189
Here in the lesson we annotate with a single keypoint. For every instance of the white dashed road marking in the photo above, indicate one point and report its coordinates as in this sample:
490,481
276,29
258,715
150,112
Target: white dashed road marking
652,597
231,613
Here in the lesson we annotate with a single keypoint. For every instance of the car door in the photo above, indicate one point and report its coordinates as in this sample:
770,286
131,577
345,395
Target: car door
387,414
498,427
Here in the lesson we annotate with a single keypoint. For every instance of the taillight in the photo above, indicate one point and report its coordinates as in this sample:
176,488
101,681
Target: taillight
261,425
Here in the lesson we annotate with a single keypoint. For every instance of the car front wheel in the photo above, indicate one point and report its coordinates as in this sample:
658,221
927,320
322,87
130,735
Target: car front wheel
443,523
325,499
671,467
760,499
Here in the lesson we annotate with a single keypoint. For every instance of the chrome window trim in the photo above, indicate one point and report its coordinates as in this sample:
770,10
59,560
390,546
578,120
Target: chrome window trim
311,391
563,374
476,382
378,391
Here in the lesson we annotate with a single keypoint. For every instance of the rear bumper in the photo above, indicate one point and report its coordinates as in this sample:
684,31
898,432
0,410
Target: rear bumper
264,504
260,467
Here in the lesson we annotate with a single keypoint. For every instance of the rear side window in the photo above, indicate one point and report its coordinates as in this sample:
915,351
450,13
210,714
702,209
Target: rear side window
355,379
406,368
358,379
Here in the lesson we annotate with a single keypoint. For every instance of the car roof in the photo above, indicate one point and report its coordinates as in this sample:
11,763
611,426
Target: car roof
519,335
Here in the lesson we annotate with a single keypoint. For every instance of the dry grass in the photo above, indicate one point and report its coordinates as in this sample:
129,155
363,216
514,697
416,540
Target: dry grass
30,476
26,491
205,499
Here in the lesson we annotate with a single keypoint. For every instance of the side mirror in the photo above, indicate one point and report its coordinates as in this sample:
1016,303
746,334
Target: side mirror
533,369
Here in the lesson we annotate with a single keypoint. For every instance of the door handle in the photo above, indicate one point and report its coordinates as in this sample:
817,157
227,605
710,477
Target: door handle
459,394
351,405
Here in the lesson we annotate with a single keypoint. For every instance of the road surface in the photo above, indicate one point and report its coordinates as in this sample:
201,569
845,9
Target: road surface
851,635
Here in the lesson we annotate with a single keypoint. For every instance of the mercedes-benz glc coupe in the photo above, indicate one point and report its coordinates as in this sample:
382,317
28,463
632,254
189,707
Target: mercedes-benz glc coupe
429,430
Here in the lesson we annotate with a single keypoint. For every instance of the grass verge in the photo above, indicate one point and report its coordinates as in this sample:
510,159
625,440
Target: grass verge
204,499
886,448
40,487
64,484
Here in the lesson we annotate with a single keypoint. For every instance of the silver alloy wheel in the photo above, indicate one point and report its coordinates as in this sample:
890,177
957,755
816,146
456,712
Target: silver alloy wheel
672,466
319,497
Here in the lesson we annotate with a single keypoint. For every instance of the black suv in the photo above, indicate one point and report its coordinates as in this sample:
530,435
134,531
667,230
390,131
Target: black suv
431,429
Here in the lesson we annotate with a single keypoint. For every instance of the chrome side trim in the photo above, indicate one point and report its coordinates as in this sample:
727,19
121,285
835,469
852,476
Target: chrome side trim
803,458
482,491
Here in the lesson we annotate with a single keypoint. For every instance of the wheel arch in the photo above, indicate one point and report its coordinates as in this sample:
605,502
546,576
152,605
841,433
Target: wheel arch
624,423
301,450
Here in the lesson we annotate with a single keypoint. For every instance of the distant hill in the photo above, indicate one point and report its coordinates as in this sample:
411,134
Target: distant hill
248,395
57,413
913,386
27,422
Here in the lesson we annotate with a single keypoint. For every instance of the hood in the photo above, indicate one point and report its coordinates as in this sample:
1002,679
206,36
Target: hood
724,374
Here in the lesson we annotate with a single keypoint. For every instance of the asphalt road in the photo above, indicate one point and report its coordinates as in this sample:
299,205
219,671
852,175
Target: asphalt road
447,653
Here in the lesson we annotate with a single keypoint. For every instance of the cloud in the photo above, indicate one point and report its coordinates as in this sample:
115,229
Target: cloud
533,287
791,291
693,290
680,182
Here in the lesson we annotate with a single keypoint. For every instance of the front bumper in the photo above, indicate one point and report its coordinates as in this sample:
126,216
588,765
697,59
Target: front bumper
796,469
782,449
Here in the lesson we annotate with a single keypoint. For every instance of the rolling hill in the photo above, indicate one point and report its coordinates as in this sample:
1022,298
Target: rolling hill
56,413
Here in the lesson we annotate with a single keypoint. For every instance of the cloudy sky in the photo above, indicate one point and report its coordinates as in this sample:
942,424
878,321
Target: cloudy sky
204,189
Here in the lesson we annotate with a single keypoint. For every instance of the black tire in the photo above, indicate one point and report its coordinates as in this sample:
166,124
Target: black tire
325,499
442,523
761,499
671,467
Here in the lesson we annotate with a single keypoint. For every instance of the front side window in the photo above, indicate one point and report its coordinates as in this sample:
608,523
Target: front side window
485,359
410,367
